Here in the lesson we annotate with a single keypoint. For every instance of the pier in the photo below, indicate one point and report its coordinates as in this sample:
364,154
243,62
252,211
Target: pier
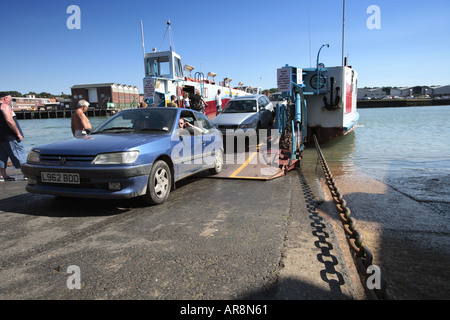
393,103
53,114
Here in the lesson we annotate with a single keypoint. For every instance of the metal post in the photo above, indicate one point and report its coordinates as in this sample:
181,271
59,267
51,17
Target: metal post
142,37
317,66
343,31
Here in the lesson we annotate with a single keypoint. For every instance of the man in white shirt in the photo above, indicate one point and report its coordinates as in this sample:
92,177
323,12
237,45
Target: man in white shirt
218,103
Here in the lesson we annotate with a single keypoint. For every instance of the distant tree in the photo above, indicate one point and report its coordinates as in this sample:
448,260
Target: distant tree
45,95
65,96
11,93
272,90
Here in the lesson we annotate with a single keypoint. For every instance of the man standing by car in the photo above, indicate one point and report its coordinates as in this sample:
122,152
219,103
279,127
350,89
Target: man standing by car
218,103
11,136
80,123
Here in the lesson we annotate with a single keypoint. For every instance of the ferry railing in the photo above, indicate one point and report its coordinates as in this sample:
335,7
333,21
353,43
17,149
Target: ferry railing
200,78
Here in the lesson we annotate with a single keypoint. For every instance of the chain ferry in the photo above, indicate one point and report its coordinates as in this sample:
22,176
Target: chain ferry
166,76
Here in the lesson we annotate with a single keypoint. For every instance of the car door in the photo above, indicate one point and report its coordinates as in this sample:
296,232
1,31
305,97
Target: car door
188,152
210,141
263,113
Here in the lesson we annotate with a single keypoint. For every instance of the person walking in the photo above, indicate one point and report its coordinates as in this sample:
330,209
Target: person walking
218,103
198,103
11,137
186,101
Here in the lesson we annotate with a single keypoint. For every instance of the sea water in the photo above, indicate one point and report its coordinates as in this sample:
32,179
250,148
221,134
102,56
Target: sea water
406,148
42,131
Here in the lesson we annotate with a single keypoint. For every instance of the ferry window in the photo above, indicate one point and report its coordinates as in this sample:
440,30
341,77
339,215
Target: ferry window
152,67
158,67
178,68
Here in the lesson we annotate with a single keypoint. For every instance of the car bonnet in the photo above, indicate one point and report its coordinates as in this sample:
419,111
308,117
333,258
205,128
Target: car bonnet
233,118
101,143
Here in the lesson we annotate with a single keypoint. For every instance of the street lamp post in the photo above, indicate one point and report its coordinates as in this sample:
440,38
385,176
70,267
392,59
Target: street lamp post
317,67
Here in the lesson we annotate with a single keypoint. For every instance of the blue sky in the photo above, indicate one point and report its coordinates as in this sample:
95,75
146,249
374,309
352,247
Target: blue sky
243,40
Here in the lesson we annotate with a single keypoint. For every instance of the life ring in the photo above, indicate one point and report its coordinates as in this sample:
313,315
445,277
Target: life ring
322,83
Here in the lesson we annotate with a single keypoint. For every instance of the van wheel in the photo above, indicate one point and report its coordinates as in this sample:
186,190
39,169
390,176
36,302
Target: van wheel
159,183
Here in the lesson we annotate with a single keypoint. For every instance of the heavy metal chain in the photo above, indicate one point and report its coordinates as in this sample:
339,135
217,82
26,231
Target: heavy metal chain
361,254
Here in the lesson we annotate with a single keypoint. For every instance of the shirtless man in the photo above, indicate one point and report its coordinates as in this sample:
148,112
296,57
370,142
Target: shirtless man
80,123
10,139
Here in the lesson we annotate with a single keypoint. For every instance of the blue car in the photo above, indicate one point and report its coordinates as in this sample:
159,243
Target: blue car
135,153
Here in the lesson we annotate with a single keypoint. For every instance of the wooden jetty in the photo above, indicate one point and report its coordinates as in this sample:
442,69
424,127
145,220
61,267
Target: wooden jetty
67,113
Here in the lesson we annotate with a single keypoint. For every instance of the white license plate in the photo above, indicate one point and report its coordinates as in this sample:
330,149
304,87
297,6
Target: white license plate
58,177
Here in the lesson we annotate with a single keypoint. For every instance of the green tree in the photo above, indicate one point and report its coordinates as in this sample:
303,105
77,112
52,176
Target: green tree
45,95
10,93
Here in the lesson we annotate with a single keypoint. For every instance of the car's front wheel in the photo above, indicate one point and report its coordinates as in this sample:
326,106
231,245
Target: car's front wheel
159,183
218,162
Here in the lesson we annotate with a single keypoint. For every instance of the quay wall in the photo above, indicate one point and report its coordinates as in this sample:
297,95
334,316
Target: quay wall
392,103
50,114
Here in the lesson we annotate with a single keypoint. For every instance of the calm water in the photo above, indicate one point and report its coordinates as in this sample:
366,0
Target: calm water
42,131
407,148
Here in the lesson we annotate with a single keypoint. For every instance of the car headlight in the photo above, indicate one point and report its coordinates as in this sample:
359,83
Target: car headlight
33,156
247,126
127,157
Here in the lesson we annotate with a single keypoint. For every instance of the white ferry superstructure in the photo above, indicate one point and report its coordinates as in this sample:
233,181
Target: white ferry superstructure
166,76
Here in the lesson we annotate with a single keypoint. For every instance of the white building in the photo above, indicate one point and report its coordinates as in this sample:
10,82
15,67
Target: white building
375,93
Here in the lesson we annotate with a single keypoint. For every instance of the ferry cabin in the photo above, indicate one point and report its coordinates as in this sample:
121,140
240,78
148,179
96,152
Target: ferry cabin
332,112
166,76
331,101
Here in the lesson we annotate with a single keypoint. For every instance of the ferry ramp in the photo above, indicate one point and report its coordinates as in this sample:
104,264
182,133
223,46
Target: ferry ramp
264,161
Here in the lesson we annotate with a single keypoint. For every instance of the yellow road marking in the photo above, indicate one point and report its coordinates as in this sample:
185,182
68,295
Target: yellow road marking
235,173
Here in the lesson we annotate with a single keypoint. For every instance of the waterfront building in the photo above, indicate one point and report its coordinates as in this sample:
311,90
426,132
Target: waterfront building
30,102
104,95
440,91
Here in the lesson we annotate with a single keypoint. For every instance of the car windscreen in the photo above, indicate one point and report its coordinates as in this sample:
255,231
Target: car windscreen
152,120
276,97
240,106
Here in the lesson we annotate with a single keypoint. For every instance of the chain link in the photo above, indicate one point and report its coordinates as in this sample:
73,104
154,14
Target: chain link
361,254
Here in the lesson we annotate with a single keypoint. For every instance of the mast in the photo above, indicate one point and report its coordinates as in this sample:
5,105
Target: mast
309,32
343,31
142,37
171,43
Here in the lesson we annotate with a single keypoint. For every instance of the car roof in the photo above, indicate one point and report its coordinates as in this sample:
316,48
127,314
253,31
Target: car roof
165,108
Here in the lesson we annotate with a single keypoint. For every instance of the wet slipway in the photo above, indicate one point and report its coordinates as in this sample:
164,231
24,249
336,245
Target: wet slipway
223,239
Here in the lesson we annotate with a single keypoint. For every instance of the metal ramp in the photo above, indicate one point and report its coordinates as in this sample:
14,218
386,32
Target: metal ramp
266,161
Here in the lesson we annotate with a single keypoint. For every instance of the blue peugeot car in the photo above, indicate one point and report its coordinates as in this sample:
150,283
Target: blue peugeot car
135,153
